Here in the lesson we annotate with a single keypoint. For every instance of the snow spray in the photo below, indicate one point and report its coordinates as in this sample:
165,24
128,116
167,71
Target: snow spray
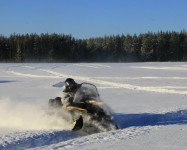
29,116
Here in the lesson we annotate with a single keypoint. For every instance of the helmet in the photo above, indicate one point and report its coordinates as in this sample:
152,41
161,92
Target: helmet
70,85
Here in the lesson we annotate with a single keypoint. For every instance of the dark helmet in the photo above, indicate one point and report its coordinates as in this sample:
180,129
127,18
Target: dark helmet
70,85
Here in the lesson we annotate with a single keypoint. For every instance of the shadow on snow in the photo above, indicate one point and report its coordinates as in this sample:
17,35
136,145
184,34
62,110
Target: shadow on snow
6,81
147,119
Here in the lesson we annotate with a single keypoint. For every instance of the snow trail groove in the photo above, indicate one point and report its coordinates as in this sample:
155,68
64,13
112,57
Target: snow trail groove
102,82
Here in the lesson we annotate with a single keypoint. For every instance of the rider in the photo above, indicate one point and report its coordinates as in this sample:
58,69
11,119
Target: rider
70,89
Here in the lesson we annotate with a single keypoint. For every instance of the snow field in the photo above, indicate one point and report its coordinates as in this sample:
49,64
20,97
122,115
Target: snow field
148,100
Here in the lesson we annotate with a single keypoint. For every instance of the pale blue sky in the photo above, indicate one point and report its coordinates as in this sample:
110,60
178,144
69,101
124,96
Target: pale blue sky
92,18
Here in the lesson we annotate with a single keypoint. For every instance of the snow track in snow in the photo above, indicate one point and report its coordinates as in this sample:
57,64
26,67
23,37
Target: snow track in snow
111,84
176,68
23,139
162,89
93,66
105,137
31,75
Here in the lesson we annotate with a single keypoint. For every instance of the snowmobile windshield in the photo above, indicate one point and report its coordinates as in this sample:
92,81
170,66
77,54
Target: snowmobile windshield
86,92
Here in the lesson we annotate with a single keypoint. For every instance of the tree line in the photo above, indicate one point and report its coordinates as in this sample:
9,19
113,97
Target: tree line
160,46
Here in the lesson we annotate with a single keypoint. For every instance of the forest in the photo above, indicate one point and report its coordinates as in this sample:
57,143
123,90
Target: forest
160,46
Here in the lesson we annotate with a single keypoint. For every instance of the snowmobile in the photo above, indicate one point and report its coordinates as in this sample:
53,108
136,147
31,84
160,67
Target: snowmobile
87,112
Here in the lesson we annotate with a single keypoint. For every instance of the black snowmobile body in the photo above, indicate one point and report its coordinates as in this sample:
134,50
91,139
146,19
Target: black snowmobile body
87,109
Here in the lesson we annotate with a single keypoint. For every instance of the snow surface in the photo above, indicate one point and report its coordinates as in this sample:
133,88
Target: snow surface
149,101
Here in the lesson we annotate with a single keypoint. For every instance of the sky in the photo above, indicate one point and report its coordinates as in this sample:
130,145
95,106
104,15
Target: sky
92,18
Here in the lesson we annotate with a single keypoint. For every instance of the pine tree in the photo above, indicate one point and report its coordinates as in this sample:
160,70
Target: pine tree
147,46
128,43
19,54
185,49
136,46
36,47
